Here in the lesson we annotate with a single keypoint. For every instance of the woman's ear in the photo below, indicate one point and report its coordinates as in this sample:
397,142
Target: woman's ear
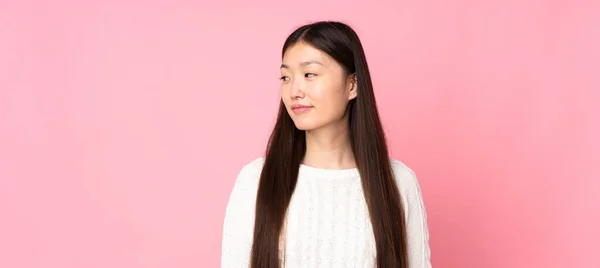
352,87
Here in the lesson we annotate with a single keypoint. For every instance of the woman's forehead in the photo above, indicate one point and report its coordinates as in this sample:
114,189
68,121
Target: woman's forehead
303,54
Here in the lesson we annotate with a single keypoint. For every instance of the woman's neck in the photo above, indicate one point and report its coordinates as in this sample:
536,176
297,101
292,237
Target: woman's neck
329,148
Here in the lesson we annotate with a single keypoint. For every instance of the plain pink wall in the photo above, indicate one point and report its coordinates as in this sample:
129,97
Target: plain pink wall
123,124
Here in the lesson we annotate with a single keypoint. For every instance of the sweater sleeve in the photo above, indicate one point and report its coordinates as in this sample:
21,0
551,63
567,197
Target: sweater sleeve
238,225
419,253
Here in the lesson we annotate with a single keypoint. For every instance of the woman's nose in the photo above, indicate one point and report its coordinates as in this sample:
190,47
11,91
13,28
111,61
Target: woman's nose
297,91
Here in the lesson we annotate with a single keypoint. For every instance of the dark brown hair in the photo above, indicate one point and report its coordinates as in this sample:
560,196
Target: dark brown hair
287,146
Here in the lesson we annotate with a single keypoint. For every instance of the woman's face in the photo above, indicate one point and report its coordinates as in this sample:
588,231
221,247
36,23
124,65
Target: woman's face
314,87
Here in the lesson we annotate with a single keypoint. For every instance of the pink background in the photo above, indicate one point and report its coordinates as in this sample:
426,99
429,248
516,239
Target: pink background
123,124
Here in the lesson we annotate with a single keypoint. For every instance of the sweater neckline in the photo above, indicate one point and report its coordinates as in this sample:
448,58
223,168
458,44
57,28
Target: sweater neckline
328,173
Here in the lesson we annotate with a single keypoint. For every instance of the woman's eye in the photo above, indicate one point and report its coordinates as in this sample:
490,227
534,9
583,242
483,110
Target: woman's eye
309,75
284,78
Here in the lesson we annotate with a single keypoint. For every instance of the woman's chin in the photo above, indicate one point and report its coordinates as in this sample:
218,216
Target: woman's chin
304,125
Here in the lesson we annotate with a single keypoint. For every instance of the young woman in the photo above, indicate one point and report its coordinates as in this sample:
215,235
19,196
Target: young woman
326,194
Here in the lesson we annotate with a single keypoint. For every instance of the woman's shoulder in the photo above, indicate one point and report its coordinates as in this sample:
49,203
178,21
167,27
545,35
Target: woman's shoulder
405,177
245,186
254,165
249,173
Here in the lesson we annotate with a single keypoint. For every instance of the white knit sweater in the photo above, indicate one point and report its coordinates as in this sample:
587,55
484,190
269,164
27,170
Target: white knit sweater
327,223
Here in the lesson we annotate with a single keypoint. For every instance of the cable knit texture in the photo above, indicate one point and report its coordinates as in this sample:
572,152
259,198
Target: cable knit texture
327,223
